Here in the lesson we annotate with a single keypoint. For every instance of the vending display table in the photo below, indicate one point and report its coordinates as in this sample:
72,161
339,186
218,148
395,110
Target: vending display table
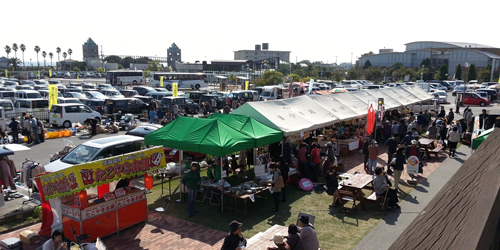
105,218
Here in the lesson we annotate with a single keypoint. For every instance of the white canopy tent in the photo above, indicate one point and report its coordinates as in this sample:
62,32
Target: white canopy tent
309,112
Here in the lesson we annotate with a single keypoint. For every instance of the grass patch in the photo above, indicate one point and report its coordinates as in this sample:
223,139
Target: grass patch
22,219
335,230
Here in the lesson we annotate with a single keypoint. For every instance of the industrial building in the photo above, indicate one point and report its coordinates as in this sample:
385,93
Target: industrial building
450,53
259,54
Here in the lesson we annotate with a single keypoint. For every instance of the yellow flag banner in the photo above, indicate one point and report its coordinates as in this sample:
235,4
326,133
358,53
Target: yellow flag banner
39,75
161,81
79,177
53,93
174,89
6,73
246,85
50,72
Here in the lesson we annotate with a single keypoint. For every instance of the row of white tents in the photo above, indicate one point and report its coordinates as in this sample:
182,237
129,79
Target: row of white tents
308,112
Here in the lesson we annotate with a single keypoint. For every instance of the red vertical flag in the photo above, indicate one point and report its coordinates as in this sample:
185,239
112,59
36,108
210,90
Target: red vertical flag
370,120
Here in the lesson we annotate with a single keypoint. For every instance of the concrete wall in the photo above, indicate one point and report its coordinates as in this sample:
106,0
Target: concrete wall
138,66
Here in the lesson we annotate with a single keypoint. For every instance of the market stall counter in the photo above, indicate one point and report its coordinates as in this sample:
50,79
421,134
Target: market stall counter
102,218
67,205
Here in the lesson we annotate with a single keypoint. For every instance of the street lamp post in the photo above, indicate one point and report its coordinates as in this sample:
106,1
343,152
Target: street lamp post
31,65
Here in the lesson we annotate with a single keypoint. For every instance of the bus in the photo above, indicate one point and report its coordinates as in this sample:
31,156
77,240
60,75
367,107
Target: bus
184,80
125,77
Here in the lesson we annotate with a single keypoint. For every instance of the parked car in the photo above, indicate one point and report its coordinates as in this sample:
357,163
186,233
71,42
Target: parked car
95,104
144,130
172,155
128,92
443,96
460,88
158,95
97,149
125,105
30,105
27,94
220,101
68,113
102,86
112,93
492,93
195,96
143,90
474,99
87,86
94,95
45,94
161,90
24,87
182,102
26,82
68,100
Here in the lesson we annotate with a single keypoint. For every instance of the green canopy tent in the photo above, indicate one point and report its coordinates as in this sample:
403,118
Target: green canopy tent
262,134
478,140
209,136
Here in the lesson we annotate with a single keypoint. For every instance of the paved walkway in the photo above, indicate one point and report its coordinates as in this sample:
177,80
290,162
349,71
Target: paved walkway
158,235
390,228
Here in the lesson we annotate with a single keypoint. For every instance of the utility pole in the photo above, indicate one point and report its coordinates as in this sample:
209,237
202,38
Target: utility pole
335,60
492,69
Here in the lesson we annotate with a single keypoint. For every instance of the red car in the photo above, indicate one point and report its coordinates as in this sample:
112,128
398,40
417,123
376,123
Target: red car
172,155
474,99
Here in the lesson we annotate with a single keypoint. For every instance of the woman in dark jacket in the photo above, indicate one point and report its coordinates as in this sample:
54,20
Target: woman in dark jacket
398,165
332,182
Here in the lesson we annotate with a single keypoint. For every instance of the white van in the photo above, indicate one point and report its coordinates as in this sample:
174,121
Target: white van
429,105
98,149
8,95
31,105
8,106
270,93
27,94
68,113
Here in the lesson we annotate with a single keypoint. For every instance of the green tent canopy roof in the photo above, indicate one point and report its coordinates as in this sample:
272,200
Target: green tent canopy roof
247,125
480,139
209,136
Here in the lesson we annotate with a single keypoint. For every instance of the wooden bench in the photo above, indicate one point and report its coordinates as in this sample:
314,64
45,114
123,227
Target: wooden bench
435,151
373,198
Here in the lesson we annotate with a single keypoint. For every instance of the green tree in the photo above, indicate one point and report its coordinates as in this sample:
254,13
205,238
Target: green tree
65,55
51,55
44,55
368,54
7,50
443,70
146,73
367,64
15,48
472,75
425,62
271,78
37,49
70,51
307,79
458,72
100,70
23,48
14,62
232,78
294,77
338,75
437,74
125,62
484,75
153,65
114,59
76,69
58,51
372,74
397,65
353,73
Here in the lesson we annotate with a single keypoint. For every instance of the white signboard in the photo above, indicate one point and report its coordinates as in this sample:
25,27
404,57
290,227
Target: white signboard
412,166
477,128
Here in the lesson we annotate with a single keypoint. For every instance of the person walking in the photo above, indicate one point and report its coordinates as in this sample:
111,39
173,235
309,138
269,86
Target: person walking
284,169
420,121
402,129
443,133
398,166
14,127
450,117
387,131
160,114
372,156
28,129
433,130
191,179
315,162
453,139
152,116
41,130
303,163
276,185
392,146
34,128
366,144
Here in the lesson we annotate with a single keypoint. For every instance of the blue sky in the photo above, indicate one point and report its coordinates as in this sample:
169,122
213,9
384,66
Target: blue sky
211,30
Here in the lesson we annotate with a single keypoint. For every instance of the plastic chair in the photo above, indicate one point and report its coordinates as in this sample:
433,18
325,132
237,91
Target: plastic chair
162,210
79,238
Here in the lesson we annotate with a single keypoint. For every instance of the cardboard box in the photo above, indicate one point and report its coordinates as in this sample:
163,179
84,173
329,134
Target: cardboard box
29,237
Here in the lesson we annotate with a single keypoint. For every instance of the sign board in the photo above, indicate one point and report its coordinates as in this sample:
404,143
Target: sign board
109,196
119,192
477,128
83,176
53,93
161,81
412,166
175,89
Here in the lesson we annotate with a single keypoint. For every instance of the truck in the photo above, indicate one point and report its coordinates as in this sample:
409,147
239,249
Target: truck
271,93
